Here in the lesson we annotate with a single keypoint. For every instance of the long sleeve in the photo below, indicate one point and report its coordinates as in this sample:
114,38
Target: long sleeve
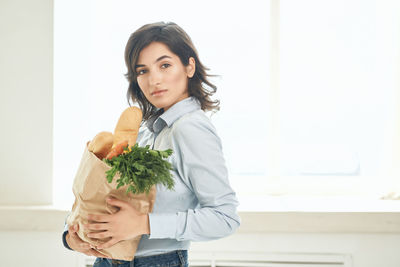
199,162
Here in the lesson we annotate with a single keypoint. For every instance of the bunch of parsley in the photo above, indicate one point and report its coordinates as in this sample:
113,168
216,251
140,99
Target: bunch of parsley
141,168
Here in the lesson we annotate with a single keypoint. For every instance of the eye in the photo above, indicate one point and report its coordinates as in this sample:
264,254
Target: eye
140,72
165,65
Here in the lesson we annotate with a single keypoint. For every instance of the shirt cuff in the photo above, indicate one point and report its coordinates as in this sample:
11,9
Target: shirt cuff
64,239
163,225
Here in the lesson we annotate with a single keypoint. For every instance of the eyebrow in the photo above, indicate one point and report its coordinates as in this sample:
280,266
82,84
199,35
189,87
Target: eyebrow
158,59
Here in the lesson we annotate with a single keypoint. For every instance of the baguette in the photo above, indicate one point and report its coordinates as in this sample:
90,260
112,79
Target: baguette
127,127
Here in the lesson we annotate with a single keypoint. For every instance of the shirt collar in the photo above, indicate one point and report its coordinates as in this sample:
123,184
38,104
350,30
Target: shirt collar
168,118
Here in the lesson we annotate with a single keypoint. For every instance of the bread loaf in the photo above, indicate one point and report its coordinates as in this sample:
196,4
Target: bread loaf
128,126
101,144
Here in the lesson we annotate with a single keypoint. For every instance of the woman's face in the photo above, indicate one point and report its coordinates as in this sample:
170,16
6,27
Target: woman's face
161,75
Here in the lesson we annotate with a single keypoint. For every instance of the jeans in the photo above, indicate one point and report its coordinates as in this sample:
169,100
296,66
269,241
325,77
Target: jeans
177,258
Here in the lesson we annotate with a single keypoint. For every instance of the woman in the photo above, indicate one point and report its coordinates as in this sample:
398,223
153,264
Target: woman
167,80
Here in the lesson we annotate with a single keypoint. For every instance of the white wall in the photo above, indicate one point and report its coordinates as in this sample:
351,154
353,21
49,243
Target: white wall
34,248
26,101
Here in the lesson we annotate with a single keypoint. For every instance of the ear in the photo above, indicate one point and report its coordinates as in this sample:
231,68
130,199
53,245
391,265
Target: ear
191,67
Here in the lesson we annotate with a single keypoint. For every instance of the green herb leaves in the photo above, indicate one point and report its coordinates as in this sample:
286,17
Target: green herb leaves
141,168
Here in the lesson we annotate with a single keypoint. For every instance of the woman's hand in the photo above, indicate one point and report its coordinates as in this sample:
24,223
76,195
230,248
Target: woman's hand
125,224
77,244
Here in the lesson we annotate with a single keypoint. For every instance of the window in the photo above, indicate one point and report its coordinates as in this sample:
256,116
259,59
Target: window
307,88
337,94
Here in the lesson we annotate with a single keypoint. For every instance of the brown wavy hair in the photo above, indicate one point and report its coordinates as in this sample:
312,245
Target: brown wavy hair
177,40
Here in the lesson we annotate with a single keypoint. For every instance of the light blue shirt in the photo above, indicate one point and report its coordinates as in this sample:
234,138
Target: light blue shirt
203,205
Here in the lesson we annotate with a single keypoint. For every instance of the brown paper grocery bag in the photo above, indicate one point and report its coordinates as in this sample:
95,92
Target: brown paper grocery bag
91,190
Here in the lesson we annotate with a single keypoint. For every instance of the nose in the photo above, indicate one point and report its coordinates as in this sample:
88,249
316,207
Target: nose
154,78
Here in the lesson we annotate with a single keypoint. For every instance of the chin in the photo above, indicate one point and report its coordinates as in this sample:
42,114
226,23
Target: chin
161,104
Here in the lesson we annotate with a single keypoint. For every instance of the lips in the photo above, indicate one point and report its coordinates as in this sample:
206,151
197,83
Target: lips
158,92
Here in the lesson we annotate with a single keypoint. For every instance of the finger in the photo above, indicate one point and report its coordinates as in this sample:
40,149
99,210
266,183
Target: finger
72,235
98,218
108,244
75,235
96,226
73,228
84,246
116,202
78,240
99,235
